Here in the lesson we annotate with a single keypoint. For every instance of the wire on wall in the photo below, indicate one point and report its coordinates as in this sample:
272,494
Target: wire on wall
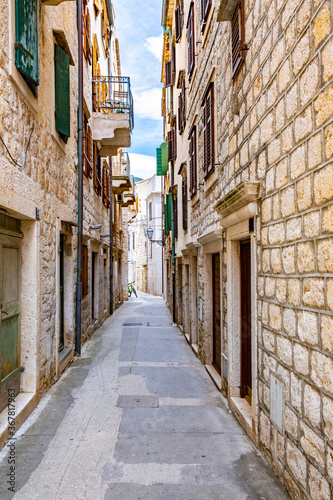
26,149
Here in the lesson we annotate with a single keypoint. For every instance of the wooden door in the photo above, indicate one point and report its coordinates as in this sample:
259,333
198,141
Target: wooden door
10,285
245,298
62,295
93,290
216,274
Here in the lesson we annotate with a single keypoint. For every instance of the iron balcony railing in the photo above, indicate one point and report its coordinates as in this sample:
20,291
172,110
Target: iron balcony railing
112,94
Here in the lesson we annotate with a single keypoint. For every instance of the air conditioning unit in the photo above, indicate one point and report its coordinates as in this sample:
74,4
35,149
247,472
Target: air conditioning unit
119,198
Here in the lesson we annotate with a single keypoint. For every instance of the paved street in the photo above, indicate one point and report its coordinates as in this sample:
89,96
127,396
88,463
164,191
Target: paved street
136,417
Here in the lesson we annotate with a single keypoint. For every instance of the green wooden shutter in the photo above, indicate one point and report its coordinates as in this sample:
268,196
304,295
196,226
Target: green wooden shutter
168,213
165,163
62,97
159,161
26,38
162,165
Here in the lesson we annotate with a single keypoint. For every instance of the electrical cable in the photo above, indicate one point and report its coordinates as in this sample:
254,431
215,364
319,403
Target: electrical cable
26,150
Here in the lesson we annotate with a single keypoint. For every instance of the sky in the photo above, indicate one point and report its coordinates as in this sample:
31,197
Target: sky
138,28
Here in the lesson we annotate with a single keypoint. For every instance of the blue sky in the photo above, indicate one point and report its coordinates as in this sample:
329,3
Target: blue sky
138,28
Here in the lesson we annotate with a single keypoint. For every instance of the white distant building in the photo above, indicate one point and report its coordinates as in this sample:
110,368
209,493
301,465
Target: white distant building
144,255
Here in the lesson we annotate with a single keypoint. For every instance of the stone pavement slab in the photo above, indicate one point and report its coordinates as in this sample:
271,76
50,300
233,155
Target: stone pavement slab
137,417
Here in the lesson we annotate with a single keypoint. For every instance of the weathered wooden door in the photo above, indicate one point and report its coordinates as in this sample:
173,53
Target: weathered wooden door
10,278
246,350
62,295
216,312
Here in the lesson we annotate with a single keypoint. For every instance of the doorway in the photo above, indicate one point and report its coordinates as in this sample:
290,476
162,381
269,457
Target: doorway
93,285
245,310
62,295
216,284
10,310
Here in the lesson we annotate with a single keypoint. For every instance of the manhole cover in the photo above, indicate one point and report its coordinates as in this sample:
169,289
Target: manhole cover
132,324
138,402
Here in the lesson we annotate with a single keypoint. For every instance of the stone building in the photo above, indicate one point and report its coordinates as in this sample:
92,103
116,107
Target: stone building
145,255
247,105
39,186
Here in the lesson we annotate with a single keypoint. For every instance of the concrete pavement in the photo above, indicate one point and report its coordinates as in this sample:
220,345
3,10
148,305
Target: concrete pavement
136,417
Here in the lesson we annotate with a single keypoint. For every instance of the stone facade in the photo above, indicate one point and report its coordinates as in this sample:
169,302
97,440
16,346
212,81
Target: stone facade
38,204
272,124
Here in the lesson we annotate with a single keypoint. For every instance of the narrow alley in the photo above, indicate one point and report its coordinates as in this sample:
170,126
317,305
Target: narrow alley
135,417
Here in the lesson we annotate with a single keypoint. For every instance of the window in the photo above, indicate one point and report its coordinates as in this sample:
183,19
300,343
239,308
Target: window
87,50
106,184
193,160
87,148
208,130
182,108
190,41
84,271
150,210
62,92
238,47
104,29
184,202
205,8
27,40
97,170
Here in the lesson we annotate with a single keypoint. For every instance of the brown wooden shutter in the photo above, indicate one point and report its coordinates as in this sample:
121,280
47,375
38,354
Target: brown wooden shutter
90,152
190,41
170,145
184,202
180,110
97,171
208,131
173,65
238,47
168,73
106,185
84,270
178,23
193,161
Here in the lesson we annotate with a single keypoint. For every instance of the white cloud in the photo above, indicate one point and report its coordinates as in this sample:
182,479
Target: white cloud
155,45
147,103
143,166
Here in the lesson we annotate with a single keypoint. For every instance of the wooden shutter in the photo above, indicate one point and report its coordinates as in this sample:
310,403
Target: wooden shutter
84,270
173,64
193,161
26,39
87,46
168,73
190,41
238,47
182,108
178,22
170,145
97,171
159,161
184,202
175,216
106,185
90,152
167,213
62,91
208,131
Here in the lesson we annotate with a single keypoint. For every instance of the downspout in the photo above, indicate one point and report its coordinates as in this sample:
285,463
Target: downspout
78,308
111,240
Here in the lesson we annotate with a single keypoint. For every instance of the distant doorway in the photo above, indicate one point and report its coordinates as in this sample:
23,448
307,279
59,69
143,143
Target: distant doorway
246,340
216,283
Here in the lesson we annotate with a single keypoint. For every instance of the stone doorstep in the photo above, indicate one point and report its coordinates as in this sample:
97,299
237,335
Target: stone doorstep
243,412
25,403
214,375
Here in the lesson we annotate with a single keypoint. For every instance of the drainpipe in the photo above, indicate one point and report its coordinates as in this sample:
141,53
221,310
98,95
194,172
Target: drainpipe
78,308
111,239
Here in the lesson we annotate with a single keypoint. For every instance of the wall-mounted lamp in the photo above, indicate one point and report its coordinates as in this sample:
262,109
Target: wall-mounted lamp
150,232
97,226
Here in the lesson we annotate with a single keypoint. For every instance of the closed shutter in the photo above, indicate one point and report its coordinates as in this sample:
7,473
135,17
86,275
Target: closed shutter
87,48
167,214
175,216
62,96
170,145
190,41
168,73
184,202
106,185
178,23
84,270
165,163
159,161
238,47
208,131
97,171
26,38
90,152
193,161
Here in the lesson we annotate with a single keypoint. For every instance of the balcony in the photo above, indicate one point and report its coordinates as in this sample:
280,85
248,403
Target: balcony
113,116
121,171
